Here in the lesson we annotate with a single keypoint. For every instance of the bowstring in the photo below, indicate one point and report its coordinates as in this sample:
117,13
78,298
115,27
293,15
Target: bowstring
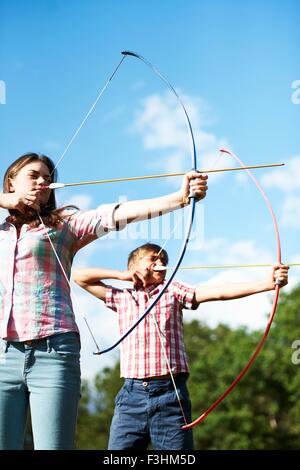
167,362
67,279
87,115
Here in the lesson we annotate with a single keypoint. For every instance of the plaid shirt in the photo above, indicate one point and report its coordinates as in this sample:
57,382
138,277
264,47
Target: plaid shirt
34,295
142,354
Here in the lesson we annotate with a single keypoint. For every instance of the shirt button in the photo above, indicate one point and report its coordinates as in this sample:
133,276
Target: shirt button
145,384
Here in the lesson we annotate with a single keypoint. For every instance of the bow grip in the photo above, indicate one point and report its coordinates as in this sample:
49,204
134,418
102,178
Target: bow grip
192,195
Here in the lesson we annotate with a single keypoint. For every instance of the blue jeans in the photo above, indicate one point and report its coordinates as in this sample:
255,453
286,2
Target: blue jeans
148,411
44,376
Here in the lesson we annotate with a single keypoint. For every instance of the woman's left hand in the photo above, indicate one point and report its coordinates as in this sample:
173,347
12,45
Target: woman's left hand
196,183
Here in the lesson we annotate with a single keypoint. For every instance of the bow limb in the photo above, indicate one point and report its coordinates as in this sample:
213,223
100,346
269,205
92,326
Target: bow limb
191,207
274,306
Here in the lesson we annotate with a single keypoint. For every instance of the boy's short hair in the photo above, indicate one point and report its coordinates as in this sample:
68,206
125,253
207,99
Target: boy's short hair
147,247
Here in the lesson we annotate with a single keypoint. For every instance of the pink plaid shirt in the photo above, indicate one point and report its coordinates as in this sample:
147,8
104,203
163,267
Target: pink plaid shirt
35,297
142,354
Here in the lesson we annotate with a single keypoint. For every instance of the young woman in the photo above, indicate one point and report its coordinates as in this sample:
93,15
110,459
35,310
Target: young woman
39,345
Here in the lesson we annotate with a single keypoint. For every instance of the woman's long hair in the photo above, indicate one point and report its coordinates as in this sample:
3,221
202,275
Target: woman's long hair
50,214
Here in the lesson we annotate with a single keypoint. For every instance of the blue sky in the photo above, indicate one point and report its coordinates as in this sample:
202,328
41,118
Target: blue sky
233,64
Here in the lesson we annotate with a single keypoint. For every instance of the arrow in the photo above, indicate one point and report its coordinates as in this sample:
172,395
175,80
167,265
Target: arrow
163,175
229,266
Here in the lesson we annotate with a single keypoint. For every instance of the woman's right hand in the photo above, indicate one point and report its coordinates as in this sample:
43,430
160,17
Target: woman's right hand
20,202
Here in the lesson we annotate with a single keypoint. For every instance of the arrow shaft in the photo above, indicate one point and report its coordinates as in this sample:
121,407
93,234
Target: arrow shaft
228,266
165,175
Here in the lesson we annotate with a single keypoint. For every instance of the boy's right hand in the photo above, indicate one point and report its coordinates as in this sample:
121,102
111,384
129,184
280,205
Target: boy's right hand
140,278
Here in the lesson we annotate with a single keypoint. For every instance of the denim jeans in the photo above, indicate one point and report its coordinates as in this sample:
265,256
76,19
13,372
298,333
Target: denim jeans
148,411
44,376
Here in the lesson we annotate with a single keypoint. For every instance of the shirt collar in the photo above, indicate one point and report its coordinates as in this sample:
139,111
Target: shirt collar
151,290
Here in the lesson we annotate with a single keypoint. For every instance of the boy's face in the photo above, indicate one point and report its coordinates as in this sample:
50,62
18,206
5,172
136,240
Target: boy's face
145,263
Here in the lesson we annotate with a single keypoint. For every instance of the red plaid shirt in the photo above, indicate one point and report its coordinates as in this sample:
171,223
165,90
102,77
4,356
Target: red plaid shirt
34,295
142,353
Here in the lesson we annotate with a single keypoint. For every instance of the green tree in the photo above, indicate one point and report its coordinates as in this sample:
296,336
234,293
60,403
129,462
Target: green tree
263,411
96,409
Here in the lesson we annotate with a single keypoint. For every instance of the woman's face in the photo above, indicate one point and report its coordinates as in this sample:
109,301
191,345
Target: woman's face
32,177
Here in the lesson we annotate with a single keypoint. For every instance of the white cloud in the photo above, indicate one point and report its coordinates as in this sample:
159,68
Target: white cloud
3,214
294,272
103,324
250,311
83,201
221,251
291,212
287,178
162,125
242,178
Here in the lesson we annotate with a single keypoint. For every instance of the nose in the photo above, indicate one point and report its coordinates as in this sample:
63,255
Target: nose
42,180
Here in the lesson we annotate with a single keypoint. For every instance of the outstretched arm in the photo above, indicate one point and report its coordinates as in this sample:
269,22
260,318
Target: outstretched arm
230,291
134,211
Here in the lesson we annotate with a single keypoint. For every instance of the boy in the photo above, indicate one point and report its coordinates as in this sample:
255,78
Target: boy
154,402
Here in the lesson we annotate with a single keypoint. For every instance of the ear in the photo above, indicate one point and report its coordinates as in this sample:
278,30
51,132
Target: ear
131,266
11,187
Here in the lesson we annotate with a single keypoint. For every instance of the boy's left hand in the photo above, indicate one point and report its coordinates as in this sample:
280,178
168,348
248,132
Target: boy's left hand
280,274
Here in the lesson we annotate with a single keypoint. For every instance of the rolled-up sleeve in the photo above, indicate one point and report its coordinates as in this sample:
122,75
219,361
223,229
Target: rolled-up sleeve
92,224
114,298
184,293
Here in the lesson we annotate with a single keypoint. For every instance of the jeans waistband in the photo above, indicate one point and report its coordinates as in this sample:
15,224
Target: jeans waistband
39,342
156,381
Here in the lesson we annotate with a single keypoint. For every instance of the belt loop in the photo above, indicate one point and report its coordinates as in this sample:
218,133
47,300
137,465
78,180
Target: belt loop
48,345
129,384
